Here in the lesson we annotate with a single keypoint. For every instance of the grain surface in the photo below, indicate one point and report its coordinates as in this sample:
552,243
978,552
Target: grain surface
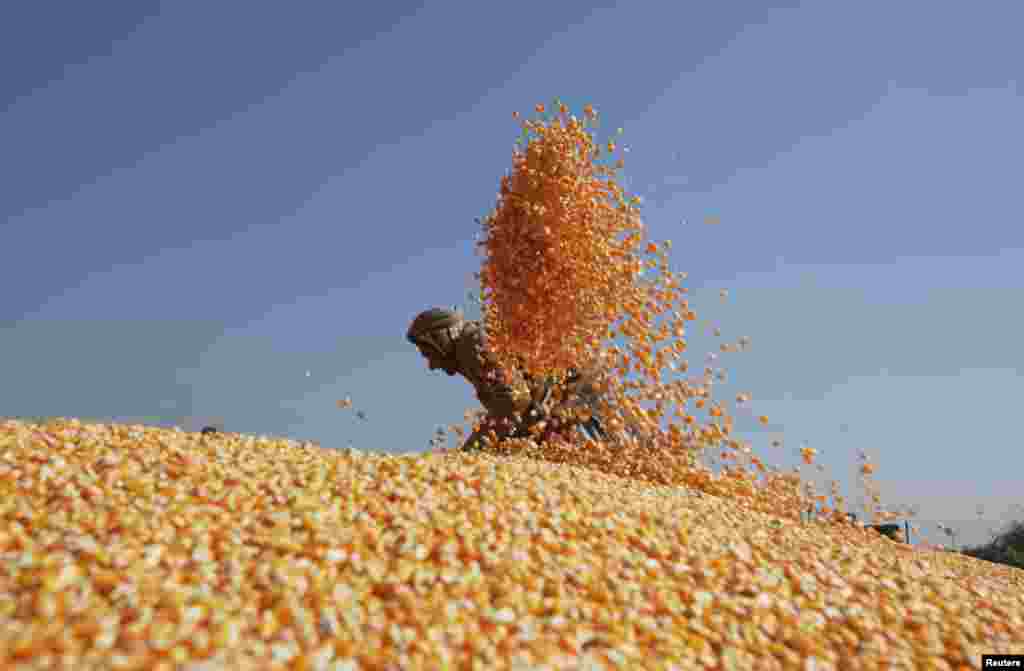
131,547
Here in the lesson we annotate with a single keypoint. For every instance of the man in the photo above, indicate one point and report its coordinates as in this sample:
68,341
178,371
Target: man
515,402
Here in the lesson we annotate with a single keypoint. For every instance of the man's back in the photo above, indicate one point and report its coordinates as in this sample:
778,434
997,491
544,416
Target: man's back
502,393
495,387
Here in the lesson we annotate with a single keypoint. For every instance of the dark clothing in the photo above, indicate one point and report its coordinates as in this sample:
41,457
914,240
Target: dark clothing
497,390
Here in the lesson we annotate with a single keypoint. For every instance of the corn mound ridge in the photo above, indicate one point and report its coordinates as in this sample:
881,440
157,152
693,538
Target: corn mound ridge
130,547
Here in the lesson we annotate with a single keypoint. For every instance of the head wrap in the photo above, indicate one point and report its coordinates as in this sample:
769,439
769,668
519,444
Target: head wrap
436,327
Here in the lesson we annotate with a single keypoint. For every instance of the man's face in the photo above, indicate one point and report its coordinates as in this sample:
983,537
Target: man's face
435,360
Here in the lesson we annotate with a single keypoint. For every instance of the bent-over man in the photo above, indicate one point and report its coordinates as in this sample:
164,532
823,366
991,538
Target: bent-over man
514,401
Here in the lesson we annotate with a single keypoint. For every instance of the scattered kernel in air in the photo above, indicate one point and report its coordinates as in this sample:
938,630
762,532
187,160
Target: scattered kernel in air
591,300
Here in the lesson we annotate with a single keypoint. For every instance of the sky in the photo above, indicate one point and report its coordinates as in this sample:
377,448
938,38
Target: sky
229,213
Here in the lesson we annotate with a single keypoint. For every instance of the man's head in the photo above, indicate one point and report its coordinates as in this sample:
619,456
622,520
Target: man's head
433,332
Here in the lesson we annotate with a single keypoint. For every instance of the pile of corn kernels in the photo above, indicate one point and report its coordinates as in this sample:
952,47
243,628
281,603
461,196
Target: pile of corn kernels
131,547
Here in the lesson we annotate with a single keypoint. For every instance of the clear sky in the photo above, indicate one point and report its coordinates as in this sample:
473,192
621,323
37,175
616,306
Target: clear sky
201,202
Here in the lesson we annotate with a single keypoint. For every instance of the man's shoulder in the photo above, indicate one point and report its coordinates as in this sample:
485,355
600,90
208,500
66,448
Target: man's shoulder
468,341
472,333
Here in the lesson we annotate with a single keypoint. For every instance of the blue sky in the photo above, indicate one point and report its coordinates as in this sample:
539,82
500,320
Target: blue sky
202,202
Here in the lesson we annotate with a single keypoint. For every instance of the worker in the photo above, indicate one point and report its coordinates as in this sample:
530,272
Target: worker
515,402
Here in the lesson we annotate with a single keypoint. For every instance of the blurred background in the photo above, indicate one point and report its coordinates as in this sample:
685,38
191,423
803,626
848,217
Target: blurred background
228,213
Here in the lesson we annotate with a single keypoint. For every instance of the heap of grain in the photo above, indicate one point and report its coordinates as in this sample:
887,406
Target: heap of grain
130,547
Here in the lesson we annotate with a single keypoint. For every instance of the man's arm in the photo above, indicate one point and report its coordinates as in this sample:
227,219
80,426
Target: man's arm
494,388
586,384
